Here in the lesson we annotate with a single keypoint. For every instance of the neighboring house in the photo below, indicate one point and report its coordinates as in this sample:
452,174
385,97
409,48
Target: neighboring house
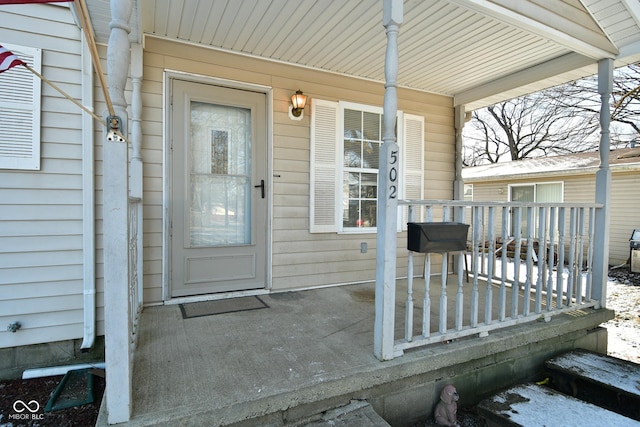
221,188
568,178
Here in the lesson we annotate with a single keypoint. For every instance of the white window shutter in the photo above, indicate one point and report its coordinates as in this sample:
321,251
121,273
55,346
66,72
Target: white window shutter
20,111
324,167
412,153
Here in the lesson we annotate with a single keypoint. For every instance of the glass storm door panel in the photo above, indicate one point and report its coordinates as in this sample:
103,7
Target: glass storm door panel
218,203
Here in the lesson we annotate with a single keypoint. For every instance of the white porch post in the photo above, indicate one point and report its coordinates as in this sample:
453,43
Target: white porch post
116,227
458,184
136,173
603,186
388,193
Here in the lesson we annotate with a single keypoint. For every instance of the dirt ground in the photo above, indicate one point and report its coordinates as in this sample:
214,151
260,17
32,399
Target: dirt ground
22,403
18,398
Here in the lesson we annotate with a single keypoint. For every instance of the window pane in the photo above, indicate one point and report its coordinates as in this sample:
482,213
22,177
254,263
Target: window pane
369,186
468,192
219,209
524,193
219,152
350,214
549,193
368,213
220,175
352,186
352,153
352,124
371,126
371,154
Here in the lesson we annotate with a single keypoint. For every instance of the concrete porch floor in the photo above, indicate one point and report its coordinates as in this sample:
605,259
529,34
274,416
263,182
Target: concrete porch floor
312,351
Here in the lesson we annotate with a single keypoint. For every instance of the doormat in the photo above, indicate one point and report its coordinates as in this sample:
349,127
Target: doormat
231,305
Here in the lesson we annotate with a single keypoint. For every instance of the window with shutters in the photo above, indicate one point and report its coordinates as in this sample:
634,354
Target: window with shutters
345,147
20,112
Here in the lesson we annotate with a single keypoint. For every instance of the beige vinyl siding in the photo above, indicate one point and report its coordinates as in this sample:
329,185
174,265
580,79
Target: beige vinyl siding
300,259
579,188
625,213
41,254
490,192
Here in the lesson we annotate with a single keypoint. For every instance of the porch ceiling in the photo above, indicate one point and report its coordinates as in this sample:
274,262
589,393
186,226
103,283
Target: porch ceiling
477,51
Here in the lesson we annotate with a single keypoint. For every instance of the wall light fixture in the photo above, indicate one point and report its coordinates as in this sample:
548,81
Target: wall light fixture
298,102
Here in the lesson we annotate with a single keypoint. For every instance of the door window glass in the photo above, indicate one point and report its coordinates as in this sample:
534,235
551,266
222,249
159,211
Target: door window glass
220,175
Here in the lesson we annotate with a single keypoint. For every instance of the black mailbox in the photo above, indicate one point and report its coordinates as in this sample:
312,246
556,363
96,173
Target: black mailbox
437,237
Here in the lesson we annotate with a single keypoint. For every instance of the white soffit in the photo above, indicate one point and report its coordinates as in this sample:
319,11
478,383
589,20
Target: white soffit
476,51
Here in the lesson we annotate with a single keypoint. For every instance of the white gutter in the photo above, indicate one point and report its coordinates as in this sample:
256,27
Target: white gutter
88,203
589,170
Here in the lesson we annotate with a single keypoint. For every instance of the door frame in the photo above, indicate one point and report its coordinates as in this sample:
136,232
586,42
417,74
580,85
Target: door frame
170,75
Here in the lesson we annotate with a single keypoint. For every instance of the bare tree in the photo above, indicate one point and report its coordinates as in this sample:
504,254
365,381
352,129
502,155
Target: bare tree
560,120
625,105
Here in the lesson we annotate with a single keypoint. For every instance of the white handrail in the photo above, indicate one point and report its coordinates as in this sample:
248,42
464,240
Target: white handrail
513,278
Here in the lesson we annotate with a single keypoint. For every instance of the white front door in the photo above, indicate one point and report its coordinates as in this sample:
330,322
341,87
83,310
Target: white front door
218,198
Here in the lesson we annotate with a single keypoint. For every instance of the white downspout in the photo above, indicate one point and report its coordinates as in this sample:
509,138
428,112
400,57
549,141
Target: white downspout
58,370
458,183
88,203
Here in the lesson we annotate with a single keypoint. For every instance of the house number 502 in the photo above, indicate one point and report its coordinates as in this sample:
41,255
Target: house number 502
393,174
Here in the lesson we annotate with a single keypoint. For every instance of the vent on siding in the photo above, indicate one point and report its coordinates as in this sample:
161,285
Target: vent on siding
20,112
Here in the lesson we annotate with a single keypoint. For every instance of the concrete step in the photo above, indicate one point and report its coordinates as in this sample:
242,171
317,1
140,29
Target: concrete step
356,414
603,380
534,405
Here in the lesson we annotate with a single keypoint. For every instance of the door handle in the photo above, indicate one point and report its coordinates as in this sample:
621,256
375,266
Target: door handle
261,187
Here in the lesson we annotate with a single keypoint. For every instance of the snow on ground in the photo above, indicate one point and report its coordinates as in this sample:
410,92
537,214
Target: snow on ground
623,296
529,405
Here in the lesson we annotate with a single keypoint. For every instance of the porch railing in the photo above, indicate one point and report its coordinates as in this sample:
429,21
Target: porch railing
524,262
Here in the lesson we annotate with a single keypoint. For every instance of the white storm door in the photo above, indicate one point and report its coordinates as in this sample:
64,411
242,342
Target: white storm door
218,189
